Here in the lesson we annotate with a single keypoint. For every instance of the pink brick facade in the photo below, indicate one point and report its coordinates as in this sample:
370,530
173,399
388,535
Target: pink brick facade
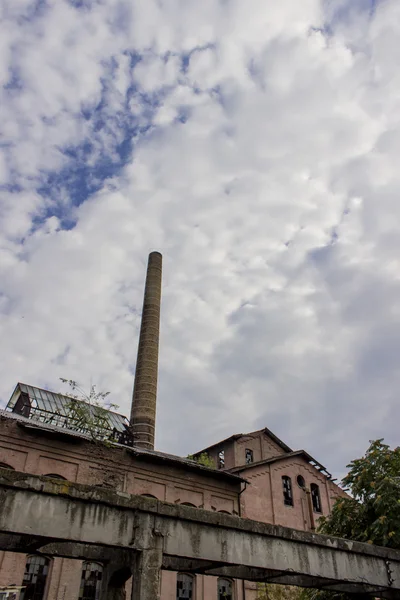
77,460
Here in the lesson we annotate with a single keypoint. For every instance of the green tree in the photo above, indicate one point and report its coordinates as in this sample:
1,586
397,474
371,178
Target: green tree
372,513
88,412
204,459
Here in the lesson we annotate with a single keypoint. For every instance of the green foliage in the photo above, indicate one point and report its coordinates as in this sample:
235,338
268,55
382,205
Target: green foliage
273,591
372,514
88,412
204,459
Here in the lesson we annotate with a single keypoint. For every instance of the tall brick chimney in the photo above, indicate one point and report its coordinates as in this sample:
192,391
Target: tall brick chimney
143,412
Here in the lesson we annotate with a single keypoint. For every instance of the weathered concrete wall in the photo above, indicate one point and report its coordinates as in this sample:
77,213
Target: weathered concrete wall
191,539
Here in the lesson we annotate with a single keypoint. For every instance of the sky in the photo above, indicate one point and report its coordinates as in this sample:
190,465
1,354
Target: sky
255,144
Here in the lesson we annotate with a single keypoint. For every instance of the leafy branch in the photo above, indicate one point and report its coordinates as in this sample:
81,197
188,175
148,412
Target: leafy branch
204,459
89,411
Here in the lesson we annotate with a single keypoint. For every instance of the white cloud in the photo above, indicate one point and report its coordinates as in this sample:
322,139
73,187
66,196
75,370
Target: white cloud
264,167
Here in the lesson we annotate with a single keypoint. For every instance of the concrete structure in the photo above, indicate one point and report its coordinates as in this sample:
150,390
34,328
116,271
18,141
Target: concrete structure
257,476
47,515
143,414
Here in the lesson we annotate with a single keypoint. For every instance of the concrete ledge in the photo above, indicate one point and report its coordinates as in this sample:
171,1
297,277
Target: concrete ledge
109,497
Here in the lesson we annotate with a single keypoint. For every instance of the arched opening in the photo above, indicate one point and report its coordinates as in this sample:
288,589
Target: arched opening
35,577
184,587
225,589
54,476
149,496
92,575
224,512
188,504
6,466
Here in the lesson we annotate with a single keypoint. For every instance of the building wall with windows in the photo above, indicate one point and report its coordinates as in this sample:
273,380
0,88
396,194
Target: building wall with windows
36,451
281,489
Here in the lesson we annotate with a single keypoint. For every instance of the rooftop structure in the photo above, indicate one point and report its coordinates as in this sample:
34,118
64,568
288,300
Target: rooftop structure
64,412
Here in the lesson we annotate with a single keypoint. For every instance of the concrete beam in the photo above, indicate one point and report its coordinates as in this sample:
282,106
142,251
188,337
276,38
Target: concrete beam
168,536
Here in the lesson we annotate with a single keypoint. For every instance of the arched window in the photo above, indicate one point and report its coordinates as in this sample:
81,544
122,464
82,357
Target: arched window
54,476
316,498
149,496
225,589
287,490
184,587
6,466
188,504
35,576
92,574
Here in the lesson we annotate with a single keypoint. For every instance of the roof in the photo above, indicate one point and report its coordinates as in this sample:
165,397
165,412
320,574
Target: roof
51,409
303,453
236,436
156,456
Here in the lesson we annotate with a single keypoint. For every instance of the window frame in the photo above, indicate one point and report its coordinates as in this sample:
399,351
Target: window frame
249,454
43,578
287,489
231,596
316,498
99,581
193,582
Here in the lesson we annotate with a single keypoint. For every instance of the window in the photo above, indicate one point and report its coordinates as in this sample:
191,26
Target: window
300,481
54,476
249,456
287,491
221,459
188,504
36,570
184,587
225,589
149,496
316,498
6,466
92,574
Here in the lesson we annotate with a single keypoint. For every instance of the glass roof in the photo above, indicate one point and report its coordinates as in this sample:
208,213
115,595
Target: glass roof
49,407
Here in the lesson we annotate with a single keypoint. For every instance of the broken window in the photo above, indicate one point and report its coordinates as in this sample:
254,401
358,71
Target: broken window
36,570
184,587
92,574
316,498
249,456
23,405
287,490
225,589
221,459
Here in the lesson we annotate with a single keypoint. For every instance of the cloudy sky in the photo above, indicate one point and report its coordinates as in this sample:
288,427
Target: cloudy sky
255,144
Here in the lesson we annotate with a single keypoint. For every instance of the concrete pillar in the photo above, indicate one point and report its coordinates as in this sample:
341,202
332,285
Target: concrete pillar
143,413
146,584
